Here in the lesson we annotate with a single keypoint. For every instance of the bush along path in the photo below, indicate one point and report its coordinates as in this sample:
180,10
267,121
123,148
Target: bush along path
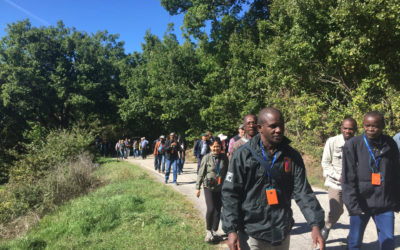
301,233
131,211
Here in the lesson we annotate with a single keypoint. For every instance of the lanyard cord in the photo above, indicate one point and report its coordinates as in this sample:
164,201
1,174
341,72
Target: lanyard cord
265,159
217,162
376,160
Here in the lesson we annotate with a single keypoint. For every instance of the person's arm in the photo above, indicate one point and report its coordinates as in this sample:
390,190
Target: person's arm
196,148
232,197
167,146
317,238
231,141
327,157
201,175
155,151
350,191
397,178
304,195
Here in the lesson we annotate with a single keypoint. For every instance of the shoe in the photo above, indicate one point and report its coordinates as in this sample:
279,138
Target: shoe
216,237
175,183
209,236
165,181
325,233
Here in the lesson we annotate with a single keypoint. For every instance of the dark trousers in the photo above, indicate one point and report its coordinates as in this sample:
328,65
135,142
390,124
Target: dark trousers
144,154
199,162
214,204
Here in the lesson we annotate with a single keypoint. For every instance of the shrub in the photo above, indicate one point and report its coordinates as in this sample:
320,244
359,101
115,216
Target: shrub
43,157
67,180
53,171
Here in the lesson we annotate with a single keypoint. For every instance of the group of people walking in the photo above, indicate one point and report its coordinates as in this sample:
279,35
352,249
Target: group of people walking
169,154
251,184
126,148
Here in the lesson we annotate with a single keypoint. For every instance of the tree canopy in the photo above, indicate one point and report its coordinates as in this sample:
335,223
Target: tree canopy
318,61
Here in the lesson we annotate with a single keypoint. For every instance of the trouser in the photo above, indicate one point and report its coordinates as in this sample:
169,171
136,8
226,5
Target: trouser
384,225
144,154
199,162
335,207
249,243
163,160
171,162
181,162
213,213
157,161
127,152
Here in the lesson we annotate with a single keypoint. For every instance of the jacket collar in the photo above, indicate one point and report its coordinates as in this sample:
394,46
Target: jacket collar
255,143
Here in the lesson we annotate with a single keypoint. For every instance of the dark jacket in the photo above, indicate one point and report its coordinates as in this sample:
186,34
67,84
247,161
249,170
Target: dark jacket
197,148
244,199
171,152
358,193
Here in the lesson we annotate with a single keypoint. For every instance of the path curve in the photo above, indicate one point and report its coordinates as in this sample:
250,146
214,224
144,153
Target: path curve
300,236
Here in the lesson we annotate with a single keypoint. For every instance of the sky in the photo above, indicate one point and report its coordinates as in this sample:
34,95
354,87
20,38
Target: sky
129,19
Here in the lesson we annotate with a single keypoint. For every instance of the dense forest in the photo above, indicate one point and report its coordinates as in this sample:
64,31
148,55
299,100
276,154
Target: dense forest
316,60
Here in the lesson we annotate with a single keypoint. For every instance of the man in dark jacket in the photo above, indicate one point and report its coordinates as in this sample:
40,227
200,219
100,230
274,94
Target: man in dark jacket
171,154
371,182
262,177
201,148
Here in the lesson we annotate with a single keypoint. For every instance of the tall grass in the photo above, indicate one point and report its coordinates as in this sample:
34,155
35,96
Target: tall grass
131,212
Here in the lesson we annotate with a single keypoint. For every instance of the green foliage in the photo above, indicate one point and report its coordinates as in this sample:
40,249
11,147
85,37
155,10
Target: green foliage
318,61
58,146
52,78
132,208
52,171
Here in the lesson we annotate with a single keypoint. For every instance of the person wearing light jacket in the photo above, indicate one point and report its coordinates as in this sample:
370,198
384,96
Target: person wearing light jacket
212,172
332,171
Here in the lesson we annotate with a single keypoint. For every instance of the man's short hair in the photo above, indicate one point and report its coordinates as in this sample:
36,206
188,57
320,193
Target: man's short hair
376,113
262,114
350,119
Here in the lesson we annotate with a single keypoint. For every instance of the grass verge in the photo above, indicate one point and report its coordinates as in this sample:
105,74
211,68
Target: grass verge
131,212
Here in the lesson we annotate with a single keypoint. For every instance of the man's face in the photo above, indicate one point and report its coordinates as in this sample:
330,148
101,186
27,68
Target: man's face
347,129
241,132
250,126
373,126
171,137
273,128
203,138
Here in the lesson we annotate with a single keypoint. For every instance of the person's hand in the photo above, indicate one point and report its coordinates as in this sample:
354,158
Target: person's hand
233,242
340,179
198,193
317,238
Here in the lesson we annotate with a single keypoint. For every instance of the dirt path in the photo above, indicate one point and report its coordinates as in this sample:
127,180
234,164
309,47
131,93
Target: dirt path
300,236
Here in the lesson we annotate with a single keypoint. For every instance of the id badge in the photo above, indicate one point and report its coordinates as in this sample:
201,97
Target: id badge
272,197
376,179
